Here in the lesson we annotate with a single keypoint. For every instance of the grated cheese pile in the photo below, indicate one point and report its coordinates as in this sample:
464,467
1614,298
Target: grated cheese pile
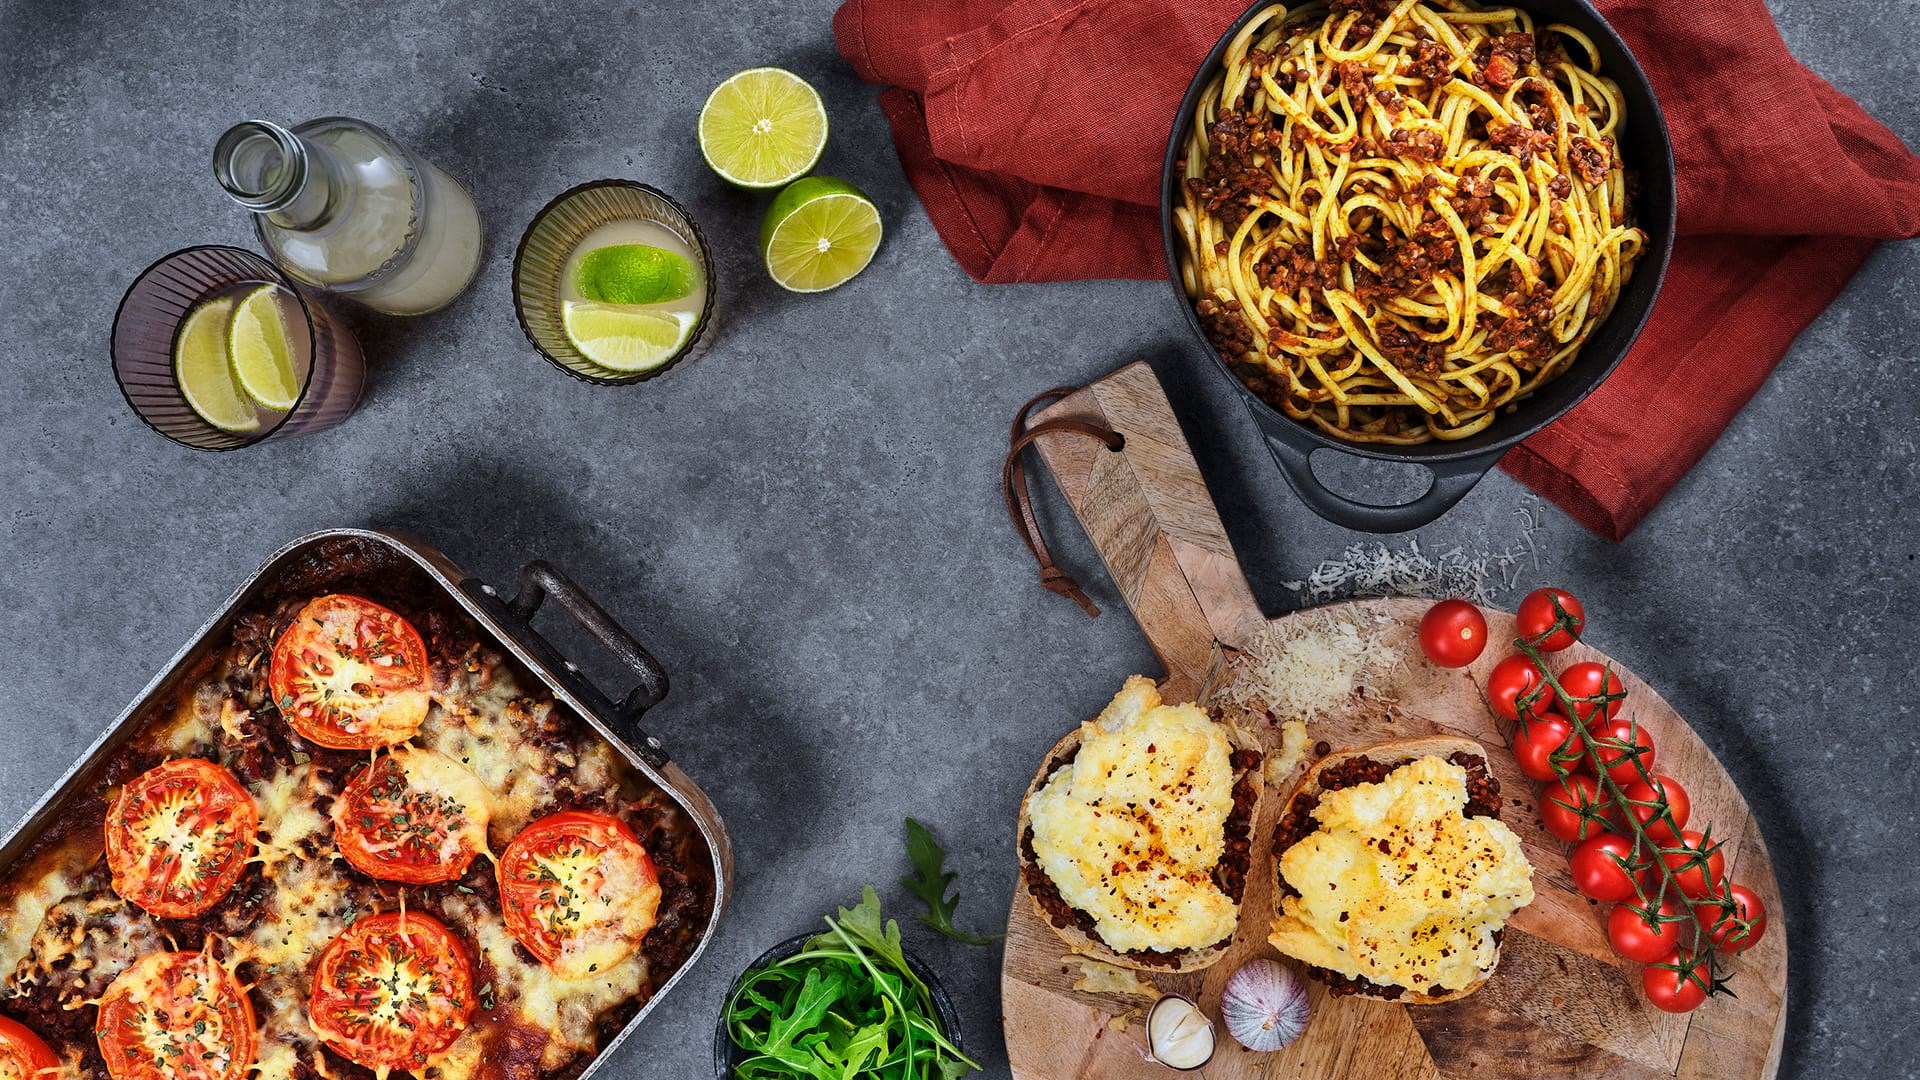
1301,668
1373,569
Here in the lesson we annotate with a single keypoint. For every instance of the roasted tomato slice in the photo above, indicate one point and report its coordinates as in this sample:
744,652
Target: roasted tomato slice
414,816
178,836
24,1055
349,674
176,1016
392,991
579,891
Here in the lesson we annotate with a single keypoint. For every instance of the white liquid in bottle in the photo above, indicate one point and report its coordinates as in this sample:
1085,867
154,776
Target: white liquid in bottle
344,207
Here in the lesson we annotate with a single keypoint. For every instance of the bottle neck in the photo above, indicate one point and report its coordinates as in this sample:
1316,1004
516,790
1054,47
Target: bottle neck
271,171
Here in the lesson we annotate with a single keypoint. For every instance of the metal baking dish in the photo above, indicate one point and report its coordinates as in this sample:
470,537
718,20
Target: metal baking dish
508,621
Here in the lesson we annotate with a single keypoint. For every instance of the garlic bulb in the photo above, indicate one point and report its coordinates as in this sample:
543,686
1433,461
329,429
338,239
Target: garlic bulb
1264,1006
1179,1034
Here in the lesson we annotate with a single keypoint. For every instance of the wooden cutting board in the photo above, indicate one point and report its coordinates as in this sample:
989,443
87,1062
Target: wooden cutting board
1561,1003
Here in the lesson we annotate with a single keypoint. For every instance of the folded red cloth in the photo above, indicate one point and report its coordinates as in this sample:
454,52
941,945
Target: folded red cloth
1034,129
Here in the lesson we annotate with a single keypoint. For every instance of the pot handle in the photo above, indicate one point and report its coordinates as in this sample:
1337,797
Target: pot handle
1451,482
539,580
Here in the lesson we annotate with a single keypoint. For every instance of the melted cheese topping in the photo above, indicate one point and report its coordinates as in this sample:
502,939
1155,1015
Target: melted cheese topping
20,920
1131,829
61,927
83,943
1417,889
485,729
437,777
567,1009
180,1007
611,898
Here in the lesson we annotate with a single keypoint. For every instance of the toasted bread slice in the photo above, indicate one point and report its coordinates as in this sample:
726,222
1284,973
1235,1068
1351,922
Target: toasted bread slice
1077,927
1392,754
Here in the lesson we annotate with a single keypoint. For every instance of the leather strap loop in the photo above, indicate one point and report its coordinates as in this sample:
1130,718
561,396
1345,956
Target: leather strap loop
1013,485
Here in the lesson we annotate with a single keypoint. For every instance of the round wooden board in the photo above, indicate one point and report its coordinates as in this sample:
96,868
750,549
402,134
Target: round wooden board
1561,1004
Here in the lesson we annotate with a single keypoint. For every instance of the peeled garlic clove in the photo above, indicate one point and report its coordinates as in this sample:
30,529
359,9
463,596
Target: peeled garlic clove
1179,1034
1264,1006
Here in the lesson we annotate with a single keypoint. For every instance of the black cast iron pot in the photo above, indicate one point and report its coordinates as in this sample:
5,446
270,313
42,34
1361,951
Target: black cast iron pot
1457,466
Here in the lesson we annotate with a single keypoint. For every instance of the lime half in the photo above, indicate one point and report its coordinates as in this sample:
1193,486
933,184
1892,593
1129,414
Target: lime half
201,370
634,274
627,339
818,234
762,128
261,355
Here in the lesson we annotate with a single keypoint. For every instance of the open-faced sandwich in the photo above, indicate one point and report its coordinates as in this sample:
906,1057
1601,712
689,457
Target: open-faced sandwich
1395,874
1135,835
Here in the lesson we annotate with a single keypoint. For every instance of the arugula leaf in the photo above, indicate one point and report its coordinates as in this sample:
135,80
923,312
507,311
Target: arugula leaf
816,993
930,880
845,1007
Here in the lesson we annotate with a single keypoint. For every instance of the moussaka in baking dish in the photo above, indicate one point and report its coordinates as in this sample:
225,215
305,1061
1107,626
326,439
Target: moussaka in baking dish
357,838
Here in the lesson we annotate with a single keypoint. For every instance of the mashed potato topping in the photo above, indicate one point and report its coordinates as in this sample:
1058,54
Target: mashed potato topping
1131,829
1398,886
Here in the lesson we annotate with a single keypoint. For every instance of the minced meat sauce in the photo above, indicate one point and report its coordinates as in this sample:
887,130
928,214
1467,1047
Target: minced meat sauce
1483,800
1230,874
256,747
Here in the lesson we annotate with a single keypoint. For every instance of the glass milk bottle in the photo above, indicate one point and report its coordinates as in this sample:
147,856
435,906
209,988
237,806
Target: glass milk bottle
342,206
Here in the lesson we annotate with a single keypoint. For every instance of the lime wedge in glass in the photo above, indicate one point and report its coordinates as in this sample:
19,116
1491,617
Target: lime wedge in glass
634,274
762,128
818,234
260,353
201,370
627,339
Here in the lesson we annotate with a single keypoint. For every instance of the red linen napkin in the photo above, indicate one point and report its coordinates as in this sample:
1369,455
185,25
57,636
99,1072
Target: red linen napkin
1034,130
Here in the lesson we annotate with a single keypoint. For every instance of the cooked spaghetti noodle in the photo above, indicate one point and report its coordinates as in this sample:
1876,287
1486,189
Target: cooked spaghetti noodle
1403,216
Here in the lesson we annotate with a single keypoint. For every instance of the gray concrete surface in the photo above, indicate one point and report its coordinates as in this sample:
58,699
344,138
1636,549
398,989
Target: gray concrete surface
805,524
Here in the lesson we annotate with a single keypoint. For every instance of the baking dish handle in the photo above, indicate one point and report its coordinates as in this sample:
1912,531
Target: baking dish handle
540,580
1451,480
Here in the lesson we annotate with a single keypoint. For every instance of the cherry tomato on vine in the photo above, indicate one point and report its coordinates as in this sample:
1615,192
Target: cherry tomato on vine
1624,765
1688,866
1663,789
1588,679
1542,741
1727,935
1600,867
1513,679
1537,616
1643,941
1575,808
1453,633
1678,983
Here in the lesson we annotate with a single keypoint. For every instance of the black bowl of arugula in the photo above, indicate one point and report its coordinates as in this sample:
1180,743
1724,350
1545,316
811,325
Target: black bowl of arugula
847,1003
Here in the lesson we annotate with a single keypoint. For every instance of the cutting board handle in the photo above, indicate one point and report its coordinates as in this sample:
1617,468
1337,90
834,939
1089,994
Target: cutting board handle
1147,510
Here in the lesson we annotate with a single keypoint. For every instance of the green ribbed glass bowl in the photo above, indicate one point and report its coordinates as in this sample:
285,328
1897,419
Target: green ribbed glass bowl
541,259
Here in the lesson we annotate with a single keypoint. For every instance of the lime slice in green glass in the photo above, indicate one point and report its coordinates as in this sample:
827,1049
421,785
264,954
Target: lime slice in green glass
818,234
626,339
261,356
762,128
201,370
634,274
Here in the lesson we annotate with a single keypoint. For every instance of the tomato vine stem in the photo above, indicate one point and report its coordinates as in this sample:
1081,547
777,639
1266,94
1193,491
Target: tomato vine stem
1649,907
